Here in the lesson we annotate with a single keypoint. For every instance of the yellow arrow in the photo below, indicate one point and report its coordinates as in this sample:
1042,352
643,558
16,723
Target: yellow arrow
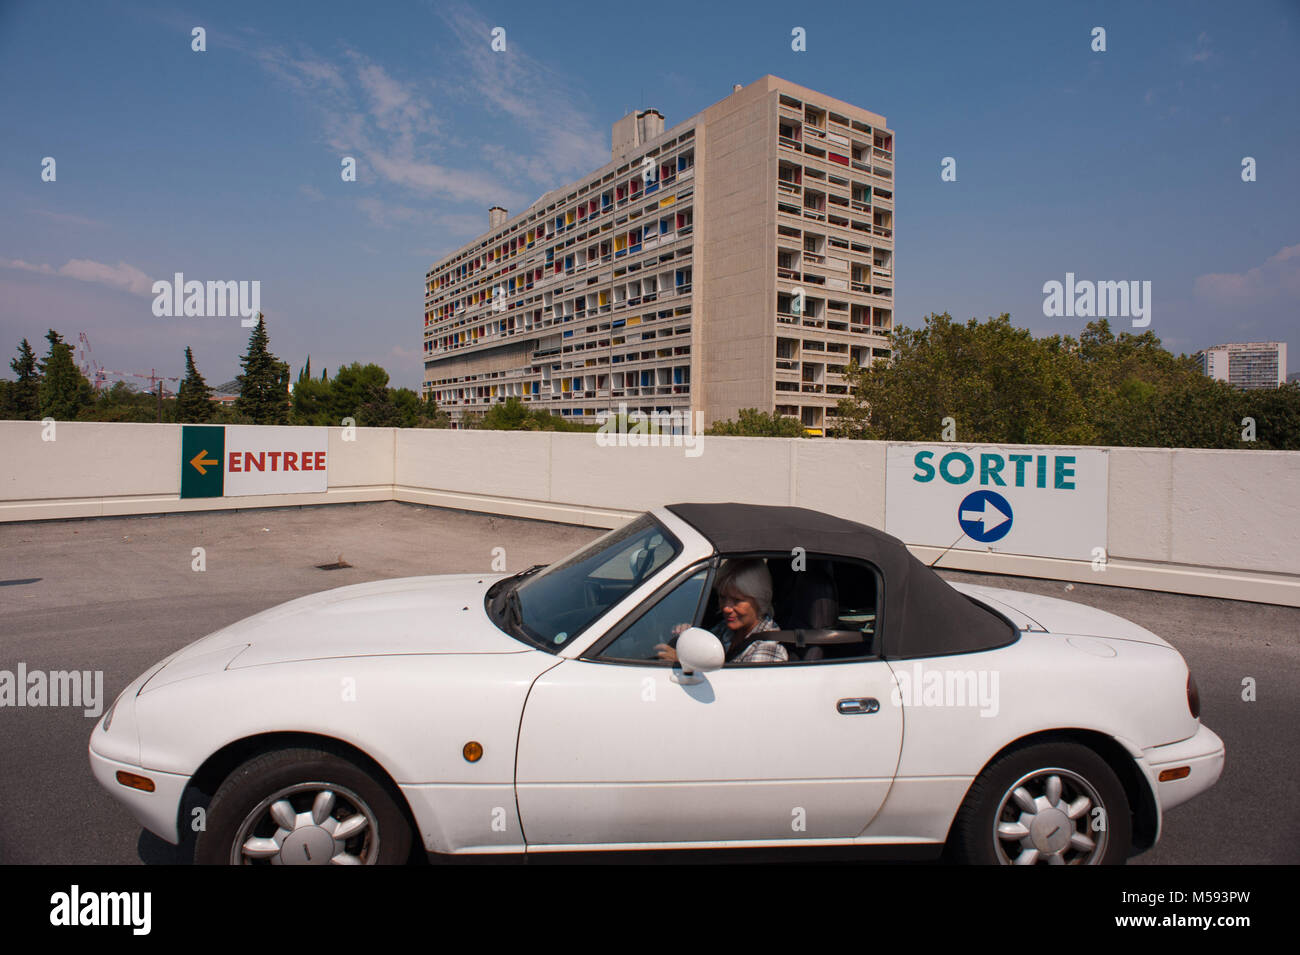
199,461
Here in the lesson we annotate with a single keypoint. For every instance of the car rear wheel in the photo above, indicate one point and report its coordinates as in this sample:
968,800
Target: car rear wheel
303,807
1049,804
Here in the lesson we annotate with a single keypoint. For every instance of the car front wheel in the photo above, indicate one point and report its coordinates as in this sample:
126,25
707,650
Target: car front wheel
1049,804
302,807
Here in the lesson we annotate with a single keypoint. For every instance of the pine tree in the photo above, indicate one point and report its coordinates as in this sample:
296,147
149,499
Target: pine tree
63,390
193,398
304,373
264,385
24,396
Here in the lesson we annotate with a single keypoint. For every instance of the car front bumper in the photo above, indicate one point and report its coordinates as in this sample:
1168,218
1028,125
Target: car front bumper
156,811
1203,755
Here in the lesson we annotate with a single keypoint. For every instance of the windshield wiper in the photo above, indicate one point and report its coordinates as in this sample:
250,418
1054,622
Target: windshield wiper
494,591
512,605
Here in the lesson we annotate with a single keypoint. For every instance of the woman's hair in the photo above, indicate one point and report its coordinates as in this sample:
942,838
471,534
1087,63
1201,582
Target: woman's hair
748,577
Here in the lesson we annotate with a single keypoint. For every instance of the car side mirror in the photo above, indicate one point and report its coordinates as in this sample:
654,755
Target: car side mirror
698,651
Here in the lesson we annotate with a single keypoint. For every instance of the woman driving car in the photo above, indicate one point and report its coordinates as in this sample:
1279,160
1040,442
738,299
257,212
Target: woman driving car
744,589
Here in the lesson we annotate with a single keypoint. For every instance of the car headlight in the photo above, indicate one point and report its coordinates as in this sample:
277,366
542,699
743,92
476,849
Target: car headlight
108,717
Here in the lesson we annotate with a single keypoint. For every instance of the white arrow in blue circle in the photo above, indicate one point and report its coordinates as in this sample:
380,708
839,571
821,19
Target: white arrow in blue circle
985,516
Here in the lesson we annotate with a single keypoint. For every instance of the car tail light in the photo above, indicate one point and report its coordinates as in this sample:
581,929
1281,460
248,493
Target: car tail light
1193,696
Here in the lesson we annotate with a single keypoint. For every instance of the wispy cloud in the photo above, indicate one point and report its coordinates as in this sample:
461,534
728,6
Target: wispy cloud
546,105
1202,52
391,125
1277,279
122,276
387,214
67,218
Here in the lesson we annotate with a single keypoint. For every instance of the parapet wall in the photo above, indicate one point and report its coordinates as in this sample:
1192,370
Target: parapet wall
1213,523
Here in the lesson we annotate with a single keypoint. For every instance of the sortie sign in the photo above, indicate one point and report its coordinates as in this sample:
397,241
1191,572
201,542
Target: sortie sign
1037,501
239,460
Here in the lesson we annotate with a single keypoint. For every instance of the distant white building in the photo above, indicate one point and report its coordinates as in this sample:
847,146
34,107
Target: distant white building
1246,364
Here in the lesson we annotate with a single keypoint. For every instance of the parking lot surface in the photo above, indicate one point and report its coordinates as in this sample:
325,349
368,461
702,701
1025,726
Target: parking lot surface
117,594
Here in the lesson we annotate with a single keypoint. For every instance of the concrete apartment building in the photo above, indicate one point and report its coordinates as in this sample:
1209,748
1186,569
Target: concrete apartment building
739,259
1246,364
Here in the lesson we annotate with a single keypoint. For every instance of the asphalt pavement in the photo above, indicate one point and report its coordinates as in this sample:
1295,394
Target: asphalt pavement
117,594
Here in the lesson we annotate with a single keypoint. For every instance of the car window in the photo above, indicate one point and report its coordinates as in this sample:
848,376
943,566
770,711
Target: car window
560,602
671,613
834,602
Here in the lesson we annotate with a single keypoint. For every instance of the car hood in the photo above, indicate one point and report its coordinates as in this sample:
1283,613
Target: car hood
1032,612
408,615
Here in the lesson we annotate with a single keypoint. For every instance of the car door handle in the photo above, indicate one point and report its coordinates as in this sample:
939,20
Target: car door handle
862,704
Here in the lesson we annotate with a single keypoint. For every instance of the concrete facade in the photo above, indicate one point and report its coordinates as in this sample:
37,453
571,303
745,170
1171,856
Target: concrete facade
742,258
1246,364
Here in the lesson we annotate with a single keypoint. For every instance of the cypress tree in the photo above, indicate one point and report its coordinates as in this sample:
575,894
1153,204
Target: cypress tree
24,396
63,389
193,404
264,385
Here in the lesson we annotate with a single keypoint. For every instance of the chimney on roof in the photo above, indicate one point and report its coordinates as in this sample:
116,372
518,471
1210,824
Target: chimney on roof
635,129
497,216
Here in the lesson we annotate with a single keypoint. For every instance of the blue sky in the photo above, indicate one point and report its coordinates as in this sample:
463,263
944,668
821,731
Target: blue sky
224,165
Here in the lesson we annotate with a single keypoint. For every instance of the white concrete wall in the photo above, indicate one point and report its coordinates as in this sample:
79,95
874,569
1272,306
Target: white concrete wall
1216,523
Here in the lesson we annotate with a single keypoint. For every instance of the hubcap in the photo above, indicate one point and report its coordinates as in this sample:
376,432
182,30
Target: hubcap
308,824
1046,818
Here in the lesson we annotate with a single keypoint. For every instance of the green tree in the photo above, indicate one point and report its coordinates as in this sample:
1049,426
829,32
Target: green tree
63,390
121,402
1141,395
513,415
311,403
1277,417
264,385
758,424
430,415
509,415
193,397
996,381
407,406
361,392
24,402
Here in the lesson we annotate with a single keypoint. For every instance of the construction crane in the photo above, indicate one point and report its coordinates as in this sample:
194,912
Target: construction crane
153,377
92,369
98,374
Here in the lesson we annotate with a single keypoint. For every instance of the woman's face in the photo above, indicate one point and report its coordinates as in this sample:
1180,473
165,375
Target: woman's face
738,610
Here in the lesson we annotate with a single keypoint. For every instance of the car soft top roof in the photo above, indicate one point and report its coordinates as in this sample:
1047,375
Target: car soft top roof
922,615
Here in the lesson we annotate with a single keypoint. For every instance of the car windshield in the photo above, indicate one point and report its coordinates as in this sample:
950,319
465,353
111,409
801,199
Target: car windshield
553,607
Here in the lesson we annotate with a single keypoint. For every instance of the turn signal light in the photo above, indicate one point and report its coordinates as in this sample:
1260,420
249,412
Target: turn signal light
135,781
1168,775
473,751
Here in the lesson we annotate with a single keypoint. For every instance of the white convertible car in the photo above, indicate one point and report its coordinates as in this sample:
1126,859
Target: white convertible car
532,713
